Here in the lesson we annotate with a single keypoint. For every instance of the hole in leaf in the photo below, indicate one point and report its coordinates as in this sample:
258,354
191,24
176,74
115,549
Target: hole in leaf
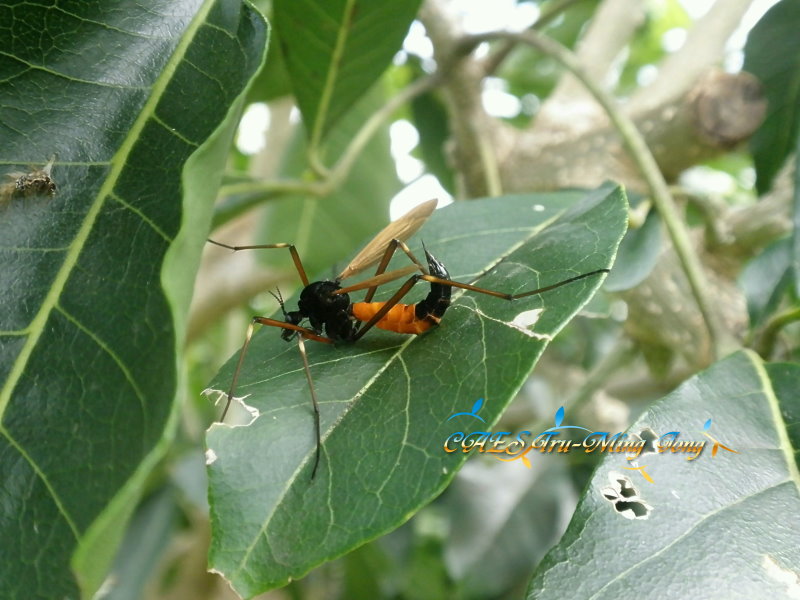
636,509
626,489
526,320
649,437
625,498
220,397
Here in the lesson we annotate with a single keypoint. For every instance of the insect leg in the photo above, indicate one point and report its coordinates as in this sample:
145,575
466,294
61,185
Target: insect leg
504,295
302,347
307,333
391,248
295,256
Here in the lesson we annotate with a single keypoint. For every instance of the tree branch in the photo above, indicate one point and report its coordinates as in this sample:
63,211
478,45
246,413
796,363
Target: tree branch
476,155
648,167
551,12
702,50
611,28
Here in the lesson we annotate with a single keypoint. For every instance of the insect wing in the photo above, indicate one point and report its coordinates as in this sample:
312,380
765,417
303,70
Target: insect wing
401,229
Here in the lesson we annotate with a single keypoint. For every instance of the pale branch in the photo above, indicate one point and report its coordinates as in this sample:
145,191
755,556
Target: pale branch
551,12
720,112
704,45
753,227
646,164
474,152
659,315
609,32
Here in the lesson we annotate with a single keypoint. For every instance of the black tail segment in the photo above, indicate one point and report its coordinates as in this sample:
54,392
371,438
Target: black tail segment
436,303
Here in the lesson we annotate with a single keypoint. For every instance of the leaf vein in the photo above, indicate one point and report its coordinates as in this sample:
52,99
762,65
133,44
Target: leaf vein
103,346
142,216
72,526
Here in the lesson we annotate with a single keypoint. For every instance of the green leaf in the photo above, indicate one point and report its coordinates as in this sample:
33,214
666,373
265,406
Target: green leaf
95,280
638,254
765,280
272,80
336,49
772,54
784,378
720,526
385,401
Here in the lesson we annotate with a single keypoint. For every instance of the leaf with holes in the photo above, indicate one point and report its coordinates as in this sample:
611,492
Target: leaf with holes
335,50
95,279
385,401
721,525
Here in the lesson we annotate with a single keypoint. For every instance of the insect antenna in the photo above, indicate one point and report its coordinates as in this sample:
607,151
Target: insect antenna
277,295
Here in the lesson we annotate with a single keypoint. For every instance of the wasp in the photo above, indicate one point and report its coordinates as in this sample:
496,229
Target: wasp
333,317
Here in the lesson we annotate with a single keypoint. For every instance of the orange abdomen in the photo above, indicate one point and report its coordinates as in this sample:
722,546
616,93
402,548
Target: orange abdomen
400,318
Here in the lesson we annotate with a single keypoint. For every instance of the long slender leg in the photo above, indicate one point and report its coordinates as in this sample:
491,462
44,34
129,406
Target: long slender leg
307,333
504,295
302,347
391,248
295,256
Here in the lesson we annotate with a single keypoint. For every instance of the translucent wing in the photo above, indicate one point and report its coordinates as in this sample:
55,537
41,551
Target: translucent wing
401,229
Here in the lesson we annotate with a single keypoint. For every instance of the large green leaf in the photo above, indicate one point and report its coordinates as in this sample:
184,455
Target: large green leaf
95,280
719,526
772,54
336,49
385,401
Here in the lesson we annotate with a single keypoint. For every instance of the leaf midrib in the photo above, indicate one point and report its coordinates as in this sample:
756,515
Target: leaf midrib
333,72
37,325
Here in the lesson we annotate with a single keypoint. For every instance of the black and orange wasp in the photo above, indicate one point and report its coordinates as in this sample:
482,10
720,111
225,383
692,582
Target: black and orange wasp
333,317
